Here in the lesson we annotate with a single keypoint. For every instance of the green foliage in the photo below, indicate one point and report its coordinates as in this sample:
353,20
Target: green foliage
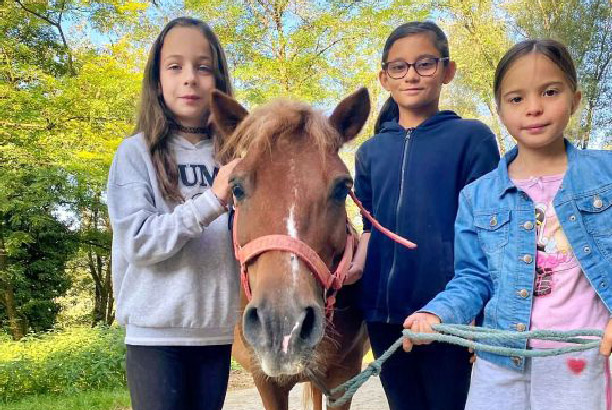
61,362
315,51
118,399
37,248
65,106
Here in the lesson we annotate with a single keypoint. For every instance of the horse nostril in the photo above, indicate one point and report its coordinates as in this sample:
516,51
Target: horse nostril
252,326
312,326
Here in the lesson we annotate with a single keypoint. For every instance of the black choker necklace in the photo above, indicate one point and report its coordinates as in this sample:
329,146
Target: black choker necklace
189,130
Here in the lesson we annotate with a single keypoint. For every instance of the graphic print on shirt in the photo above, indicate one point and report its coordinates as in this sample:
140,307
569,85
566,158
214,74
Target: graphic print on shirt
196,178
553,248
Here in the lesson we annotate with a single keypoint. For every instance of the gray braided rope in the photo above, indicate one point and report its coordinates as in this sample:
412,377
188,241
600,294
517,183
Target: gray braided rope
467,336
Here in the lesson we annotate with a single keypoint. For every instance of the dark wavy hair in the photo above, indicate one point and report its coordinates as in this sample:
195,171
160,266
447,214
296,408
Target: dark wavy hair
155,119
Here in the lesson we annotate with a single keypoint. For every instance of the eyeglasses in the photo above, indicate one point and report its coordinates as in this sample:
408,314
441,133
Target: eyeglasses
424,66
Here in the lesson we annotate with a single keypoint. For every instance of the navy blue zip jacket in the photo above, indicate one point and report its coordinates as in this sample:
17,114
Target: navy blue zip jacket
410,180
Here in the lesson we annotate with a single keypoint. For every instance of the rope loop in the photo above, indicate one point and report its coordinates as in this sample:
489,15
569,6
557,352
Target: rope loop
479,339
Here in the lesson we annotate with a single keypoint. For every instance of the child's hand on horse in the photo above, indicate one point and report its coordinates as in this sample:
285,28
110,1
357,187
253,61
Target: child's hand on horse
354,273
221,187
419,322
606,343
356,269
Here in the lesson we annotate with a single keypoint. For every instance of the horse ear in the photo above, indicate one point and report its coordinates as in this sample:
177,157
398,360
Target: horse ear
226,112
350,115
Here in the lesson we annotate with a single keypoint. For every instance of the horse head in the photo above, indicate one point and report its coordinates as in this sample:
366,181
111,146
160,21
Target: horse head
289,188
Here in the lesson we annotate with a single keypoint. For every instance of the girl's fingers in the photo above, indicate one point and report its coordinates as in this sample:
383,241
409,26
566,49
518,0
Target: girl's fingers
418,324
408,322
606,342
407,345
421,327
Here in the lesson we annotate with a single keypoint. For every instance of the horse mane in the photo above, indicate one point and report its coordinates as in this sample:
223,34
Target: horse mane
281,120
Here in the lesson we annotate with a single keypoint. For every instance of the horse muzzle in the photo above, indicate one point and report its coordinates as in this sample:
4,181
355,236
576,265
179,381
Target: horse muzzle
283,337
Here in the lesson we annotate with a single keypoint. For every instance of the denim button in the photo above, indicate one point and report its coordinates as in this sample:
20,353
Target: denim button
587,249
572,218
493,221
528,225
527,258
520,327
603,284
523,293
517,360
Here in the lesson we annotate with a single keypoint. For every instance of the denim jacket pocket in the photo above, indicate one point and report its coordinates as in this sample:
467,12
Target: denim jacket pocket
492,227
596,212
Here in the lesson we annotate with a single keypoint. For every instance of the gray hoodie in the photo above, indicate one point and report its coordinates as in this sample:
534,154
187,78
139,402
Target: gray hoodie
175,278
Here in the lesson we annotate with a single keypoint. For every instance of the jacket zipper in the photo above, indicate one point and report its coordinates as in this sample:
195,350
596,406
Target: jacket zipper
397,209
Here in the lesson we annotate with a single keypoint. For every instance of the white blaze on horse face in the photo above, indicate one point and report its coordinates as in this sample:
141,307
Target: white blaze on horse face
292,231
291,228
287,338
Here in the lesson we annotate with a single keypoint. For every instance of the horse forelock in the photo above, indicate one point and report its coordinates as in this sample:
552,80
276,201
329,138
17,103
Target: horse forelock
284,122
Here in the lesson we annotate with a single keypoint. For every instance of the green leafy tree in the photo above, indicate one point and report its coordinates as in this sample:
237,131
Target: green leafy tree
66,105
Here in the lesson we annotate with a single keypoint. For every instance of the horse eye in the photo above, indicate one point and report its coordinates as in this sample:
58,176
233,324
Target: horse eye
340,191
238,191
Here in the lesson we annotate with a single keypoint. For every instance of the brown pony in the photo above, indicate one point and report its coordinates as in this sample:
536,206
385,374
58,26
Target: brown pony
292,182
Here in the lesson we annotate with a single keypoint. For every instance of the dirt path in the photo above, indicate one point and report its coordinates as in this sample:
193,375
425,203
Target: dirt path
242,395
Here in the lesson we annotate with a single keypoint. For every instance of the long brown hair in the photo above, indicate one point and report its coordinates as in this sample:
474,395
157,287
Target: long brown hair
155,119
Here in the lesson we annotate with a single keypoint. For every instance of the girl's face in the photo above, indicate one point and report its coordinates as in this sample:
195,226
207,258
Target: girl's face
536,101
414,92
186,75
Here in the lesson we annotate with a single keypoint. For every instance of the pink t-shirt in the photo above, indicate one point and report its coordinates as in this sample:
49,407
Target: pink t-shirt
563,298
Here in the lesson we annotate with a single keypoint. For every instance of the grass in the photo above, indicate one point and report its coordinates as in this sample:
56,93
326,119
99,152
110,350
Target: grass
118,399
368,358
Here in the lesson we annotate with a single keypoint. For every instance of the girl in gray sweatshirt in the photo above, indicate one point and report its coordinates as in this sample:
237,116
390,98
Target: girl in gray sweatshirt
175,278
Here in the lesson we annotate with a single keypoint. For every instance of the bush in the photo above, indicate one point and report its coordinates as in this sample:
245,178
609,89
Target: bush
72,360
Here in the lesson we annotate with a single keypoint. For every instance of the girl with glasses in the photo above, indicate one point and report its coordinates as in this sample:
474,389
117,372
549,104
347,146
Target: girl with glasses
409,176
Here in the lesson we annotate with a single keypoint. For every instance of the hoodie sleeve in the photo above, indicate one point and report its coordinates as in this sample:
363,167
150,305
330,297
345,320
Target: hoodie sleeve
146,235
483,155
363,187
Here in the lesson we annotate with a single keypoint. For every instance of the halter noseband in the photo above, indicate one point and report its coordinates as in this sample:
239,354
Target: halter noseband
328,281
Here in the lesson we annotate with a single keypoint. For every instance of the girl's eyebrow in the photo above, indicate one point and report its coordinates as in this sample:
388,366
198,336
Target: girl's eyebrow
419,56
548,84
545,85
201,57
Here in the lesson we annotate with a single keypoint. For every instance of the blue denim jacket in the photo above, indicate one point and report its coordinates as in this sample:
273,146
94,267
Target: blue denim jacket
495,244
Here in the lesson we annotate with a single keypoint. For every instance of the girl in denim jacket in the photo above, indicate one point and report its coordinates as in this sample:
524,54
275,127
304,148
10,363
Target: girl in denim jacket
533,244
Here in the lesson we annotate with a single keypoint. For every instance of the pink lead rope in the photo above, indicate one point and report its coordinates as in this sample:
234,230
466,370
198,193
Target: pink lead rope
329,281
399,239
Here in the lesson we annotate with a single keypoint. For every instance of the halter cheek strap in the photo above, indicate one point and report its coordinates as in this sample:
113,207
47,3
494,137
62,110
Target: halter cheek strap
328,281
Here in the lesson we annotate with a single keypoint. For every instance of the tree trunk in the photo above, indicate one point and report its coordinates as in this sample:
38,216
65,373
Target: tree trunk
110,314
16,324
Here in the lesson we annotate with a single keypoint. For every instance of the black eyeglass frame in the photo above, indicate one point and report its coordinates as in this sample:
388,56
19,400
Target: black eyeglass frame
437,60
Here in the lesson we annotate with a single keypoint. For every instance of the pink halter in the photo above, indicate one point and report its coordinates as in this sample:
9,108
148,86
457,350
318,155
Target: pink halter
245,254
